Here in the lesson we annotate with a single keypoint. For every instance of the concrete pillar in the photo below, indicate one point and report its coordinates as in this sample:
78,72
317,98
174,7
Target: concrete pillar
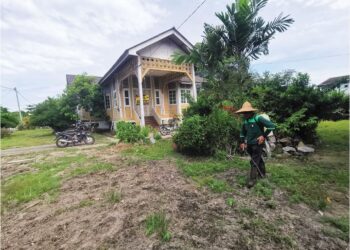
139,78
194,89
178,99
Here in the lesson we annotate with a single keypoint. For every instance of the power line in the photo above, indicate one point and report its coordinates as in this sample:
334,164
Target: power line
303,59
6,87
24,98
191,14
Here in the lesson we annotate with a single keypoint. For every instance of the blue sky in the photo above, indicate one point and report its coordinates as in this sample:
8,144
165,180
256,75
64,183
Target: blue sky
42,41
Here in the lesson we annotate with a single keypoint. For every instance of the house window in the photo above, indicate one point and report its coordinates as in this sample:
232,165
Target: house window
126,97
115,98
157,94
135,83
185,93
107,102
172,96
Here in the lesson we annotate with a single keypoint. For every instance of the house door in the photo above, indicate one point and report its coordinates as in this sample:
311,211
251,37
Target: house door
146,102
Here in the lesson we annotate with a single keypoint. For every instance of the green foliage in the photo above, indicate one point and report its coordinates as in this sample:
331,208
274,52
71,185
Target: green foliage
84,93
191,136
263,188
93,168
230,202
298,124
157,151
8,119
293,104
224,55
158,223
157,136
113,197
207,134
131,133
214,184
49,113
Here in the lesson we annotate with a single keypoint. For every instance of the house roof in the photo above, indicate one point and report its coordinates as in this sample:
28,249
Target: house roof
334,81
172,33
70,79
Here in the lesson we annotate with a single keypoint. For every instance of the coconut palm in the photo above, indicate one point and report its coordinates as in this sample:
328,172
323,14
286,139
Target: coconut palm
242,37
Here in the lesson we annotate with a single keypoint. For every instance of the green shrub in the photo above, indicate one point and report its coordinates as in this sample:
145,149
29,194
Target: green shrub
191,136
295,105
207,135
157,136
131,133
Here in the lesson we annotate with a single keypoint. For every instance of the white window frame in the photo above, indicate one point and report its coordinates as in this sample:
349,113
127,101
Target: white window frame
126,105
109,101
187,92
155,97
170,98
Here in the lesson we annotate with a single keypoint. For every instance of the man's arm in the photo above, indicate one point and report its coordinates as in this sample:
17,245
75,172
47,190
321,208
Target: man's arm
270,127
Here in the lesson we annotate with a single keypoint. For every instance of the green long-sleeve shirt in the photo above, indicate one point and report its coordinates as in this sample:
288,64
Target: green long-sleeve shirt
253,127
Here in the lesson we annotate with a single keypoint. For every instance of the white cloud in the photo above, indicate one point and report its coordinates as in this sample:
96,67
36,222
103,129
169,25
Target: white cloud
333,4
51,35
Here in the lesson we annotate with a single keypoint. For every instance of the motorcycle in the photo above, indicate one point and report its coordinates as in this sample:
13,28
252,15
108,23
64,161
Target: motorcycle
78,135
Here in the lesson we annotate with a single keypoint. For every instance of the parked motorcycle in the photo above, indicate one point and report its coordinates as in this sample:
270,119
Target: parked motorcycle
76,136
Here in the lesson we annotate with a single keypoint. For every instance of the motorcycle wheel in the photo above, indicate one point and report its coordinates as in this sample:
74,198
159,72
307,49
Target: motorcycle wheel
61,143
89,140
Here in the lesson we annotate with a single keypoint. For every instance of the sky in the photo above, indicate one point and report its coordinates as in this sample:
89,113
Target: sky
42,41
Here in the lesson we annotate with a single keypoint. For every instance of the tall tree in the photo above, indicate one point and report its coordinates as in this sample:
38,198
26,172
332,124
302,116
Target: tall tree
84,93
225,53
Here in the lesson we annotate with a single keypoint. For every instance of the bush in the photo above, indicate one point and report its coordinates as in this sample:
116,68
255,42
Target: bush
191,136
295,105
207,135
131,133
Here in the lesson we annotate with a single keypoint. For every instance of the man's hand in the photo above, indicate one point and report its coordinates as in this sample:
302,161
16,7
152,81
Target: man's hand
243,146
261,140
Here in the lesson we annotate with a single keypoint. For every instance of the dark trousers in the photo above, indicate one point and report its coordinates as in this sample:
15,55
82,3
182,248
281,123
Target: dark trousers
255,152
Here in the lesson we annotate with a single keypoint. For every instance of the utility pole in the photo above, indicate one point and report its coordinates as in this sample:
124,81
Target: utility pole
19,108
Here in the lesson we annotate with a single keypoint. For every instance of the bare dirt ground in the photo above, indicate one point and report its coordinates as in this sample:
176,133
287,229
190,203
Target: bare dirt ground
199,218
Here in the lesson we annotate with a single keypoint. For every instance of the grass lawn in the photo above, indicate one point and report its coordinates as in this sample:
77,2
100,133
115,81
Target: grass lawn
37,137
27,138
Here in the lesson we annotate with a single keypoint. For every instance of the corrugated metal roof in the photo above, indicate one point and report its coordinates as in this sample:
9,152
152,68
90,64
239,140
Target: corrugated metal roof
70,79
333,81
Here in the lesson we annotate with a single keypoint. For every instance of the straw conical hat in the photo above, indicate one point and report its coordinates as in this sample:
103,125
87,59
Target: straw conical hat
246,107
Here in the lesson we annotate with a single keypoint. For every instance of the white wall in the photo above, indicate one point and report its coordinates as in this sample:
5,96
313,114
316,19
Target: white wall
162,49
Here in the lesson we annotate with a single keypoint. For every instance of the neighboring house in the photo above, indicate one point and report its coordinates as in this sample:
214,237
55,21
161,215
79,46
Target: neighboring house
341,83
144,86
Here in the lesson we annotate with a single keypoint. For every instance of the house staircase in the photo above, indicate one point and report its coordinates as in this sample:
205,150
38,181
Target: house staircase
150,121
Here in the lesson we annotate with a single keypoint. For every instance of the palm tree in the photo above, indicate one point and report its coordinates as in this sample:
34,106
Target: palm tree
242,37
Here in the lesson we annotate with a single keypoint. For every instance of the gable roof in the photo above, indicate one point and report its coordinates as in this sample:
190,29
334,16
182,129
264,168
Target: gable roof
70,79
334,81
172,33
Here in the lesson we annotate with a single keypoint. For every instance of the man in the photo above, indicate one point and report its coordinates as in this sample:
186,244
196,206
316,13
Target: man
253,138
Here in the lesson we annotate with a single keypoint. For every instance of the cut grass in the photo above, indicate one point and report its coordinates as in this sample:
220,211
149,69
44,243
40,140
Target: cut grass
269,231
158,223
27,138
47,179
